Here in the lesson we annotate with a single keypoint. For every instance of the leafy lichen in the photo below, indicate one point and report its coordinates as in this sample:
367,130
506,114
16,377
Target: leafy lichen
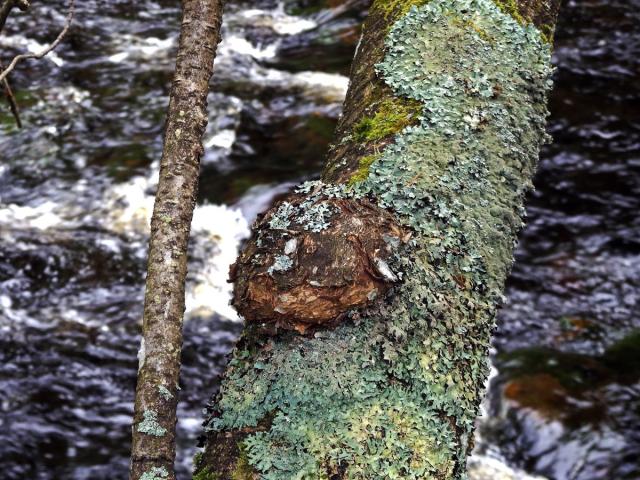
156,473
150,425
164,392
313,215
394,393
282,263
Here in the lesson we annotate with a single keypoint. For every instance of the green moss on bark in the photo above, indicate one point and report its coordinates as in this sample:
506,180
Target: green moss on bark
206,474
390,117
510,7
243,470
394,9
363,169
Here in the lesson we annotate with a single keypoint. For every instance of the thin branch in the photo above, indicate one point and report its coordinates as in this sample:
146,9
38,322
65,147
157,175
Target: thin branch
42,53
12,102
7,6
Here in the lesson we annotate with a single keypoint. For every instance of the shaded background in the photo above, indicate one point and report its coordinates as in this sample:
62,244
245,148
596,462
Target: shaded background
76,189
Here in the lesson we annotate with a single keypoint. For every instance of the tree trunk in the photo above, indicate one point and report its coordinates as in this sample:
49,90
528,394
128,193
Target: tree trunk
154,422
370,297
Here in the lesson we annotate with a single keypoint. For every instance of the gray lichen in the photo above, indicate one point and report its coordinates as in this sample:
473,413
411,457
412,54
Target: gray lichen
282,218
164,392
282,263
394,394
314,214
150,425
315,217
156,473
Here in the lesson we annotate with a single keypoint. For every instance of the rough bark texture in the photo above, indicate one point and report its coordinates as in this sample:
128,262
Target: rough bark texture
441,131
368,94
153,450
295,273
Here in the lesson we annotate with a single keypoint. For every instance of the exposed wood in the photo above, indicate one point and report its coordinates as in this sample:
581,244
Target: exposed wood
299,275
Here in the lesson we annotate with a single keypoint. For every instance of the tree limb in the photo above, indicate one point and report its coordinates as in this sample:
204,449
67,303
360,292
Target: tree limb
441,128
46,50
13,104
153,449
7,6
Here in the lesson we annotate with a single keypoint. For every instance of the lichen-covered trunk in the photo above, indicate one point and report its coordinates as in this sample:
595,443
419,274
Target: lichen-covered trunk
370,296
153,450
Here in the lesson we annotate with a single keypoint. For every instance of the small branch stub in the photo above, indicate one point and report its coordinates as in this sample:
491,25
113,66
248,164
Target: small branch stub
312,259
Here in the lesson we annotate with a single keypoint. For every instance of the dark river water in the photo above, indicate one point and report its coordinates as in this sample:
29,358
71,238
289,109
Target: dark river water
76,189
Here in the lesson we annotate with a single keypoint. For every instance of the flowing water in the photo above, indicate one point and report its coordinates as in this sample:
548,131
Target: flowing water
76,190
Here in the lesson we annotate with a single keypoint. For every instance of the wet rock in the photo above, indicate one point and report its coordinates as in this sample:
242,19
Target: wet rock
567,415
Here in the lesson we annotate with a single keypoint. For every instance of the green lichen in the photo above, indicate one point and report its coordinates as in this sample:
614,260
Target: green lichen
164,392
468,23
391,116
394,393
150,425
156,473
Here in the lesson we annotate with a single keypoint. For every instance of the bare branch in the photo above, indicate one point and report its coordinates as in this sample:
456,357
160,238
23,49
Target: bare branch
13,104
45,51
7,6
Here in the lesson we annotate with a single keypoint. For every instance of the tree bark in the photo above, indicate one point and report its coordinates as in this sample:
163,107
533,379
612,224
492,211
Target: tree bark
370,297
153,450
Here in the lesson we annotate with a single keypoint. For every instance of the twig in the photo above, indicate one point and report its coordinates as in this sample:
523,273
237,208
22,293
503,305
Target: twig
7,6
12,102
27,56
5,10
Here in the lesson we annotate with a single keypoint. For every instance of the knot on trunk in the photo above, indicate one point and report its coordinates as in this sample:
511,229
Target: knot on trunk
312,258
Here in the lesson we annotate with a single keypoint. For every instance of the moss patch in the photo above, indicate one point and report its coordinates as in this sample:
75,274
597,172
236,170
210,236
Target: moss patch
363,169
510,7
243,470
396,8
390,117
206,474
